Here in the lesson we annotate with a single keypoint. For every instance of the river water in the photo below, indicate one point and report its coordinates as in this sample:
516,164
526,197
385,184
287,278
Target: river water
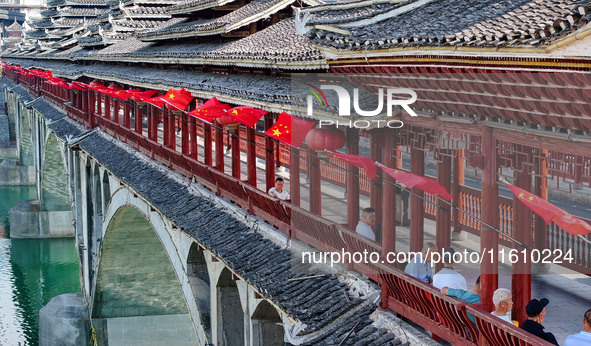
32,271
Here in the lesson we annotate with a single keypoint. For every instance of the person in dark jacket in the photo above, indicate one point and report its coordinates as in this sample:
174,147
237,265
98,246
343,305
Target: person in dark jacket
536,311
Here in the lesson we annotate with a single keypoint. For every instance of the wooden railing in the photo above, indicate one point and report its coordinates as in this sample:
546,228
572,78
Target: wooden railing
444,316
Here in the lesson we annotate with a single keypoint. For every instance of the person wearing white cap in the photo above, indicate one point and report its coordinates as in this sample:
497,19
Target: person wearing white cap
584,337
536,312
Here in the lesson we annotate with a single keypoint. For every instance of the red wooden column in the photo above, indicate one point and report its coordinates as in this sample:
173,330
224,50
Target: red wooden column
251,156
541,190
116,107
352,182
219,147
208,145
315,183
193,137
171,129
185,135
269,155
489,239
91,108
522,230
166,125
388,197
443,223
294,176
138,119
107,110
126,115
417,206
235,152
375,197
151,121
578,169
458,181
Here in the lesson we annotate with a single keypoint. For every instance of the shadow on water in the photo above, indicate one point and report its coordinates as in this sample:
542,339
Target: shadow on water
32,271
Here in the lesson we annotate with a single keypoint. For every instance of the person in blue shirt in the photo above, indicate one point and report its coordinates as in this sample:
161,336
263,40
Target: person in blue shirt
584,337
472,297
420,265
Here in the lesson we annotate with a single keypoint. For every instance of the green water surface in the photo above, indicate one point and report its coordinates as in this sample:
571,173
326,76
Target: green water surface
32,271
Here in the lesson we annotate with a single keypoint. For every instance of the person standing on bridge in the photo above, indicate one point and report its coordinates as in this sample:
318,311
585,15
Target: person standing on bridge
584,337
536,311
278,192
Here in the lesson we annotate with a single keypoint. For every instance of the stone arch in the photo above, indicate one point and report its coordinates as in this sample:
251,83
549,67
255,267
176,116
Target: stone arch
198,274
138,297
55,194
25,138
230,324
267,329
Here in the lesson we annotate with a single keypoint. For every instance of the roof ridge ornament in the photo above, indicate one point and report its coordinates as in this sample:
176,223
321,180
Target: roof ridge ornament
301,21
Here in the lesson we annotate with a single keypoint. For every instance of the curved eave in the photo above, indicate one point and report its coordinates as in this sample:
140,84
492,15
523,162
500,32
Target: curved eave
225,29
297,65
186,10
341,55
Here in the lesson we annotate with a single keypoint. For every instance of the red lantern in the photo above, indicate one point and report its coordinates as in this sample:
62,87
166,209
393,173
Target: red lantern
325,138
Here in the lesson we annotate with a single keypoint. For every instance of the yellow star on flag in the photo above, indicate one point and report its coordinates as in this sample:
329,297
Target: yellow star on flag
235,112
276,132
171,96
520,195
530,198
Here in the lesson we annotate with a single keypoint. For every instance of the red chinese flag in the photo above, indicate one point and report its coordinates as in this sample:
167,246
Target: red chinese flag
80,86
211,109
59,82
155,101
177,99
246,115
550,212
141,96
97,86
75,86
364,162
412,180
290,129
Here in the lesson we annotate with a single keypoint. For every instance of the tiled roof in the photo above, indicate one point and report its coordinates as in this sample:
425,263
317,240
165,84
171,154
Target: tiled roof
272,94
249,13
351,11
132,25
49,13
48,110
476,23
283,48
45,23
195,5
82,11
75,2
35,33
146,12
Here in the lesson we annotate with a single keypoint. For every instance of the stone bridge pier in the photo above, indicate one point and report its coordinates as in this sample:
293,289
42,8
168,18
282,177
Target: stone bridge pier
41,161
